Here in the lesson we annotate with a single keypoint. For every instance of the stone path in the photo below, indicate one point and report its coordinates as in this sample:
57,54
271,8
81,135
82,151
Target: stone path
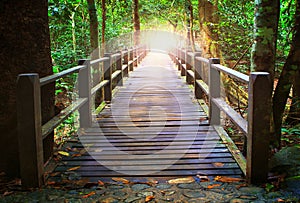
153,190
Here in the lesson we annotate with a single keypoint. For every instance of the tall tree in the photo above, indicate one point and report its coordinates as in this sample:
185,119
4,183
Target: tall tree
103,6
93,24
289,78
208,19
265,36
25,47
136,22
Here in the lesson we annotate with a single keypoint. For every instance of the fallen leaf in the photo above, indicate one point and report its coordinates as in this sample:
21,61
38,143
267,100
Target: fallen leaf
74,168
100,183
203,178
241,185
213,186
76,155
149,198
123,180
63,153
218,164
82,151
54,174
98,150
280,200
225,179
6,193
50,182
181,180
88,195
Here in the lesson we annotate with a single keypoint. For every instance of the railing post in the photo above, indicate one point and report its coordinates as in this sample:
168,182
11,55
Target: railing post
197,68
125,62
135,59
84,88
130,52
30,130
119,67
189,78
107,76
214,92
182,60
259,111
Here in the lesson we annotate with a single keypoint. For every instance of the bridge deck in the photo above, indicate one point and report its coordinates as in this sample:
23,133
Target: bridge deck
153,127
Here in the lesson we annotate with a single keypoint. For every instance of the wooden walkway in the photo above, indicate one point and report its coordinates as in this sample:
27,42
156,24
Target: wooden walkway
153,127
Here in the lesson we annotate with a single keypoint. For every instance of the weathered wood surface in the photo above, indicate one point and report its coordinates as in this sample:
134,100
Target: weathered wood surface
153,127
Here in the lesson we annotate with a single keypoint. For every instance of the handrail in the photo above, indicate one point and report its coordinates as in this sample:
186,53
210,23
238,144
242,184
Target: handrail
31,132
256,128
51,78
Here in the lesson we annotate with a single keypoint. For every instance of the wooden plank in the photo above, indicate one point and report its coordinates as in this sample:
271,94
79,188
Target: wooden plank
236,153
99,86
233,73
63,115
203,86
235,117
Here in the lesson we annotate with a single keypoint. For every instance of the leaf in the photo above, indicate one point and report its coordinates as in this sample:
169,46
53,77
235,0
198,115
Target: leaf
149,198
100,183
203,178
123,180
225,179
218,164
6,193
181,180
88,195
74,168
50,182
63,153
213,186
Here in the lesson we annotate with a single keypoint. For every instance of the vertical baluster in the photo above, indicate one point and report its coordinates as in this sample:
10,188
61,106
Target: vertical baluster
197,68
107,76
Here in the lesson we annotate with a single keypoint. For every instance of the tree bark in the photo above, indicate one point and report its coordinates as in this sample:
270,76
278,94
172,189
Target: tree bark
208,19
25,48
93,25
103,6
136,22
289,78
265,36
190,22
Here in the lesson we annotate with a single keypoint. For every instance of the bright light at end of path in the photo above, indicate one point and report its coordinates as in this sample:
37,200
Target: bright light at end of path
161,41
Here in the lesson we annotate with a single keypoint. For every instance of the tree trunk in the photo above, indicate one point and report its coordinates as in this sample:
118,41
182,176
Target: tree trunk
136,22
288,77
103,5
208,19
25,48
93,25
265,36
190,22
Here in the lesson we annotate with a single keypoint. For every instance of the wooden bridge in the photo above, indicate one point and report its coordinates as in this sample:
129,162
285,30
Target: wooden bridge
154,123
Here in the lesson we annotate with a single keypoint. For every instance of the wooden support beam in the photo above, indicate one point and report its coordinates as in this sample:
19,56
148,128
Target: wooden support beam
107,76
259,115
197,72
84,87
119,64
214,92
189,65
125,63
29,130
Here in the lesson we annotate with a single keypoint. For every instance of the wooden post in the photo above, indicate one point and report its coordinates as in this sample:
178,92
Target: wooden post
135,59
84,88
107,76
259,115
125,62
30,130
214,92
189,78
130,60
182,59
197,67
119,67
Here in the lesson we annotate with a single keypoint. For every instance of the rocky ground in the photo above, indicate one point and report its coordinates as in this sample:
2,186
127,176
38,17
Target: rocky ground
187,189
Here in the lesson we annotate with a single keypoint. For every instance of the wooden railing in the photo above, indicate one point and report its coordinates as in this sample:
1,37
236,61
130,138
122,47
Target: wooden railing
31,132
256,127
